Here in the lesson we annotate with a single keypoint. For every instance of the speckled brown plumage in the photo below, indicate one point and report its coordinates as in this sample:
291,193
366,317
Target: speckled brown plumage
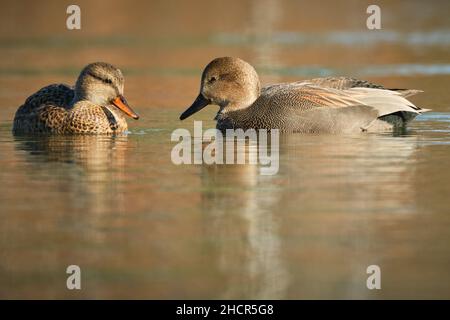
86,108
321,105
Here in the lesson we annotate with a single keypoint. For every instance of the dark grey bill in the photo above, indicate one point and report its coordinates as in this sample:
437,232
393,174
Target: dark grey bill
198,105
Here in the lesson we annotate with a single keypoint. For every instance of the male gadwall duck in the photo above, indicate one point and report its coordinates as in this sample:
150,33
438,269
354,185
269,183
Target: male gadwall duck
323,105
91,107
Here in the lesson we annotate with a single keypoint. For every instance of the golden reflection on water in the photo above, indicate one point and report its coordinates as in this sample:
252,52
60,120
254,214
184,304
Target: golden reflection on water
246,229
308,231
141,227
249,211
95,163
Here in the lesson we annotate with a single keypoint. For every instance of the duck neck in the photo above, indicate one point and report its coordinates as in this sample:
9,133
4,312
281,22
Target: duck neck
233,118
77,97
242,105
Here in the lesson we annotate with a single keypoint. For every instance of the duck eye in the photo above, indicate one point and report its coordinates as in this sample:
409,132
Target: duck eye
212,79
109,81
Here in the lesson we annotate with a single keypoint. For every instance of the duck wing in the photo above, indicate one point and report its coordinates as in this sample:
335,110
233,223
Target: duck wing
305,96
55,94
385,101
343,83
44,111
307,107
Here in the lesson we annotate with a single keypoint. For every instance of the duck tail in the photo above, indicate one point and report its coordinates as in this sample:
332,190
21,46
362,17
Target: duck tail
410,92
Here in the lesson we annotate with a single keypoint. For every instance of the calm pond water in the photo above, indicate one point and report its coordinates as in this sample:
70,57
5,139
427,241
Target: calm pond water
141,227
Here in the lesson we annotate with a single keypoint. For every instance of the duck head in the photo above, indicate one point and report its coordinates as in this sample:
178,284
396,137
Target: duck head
227,82
102,84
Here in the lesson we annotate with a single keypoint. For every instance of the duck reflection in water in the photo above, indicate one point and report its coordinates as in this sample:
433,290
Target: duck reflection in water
243,221
86,170
244,213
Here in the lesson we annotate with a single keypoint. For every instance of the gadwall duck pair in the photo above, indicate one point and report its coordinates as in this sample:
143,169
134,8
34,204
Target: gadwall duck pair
323,105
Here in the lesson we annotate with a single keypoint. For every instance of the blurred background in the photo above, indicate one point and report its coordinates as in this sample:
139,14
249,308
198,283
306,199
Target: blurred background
141,227
162,45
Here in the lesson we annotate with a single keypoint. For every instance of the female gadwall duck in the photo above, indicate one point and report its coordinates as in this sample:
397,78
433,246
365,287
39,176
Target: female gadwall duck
323,105
91,107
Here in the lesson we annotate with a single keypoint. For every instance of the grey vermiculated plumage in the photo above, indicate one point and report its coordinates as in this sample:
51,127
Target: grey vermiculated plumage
321,105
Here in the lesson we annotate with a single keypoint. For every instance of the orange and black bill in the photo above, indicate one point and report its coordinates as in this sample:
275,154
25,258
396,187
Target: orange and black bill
122,104
198,105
